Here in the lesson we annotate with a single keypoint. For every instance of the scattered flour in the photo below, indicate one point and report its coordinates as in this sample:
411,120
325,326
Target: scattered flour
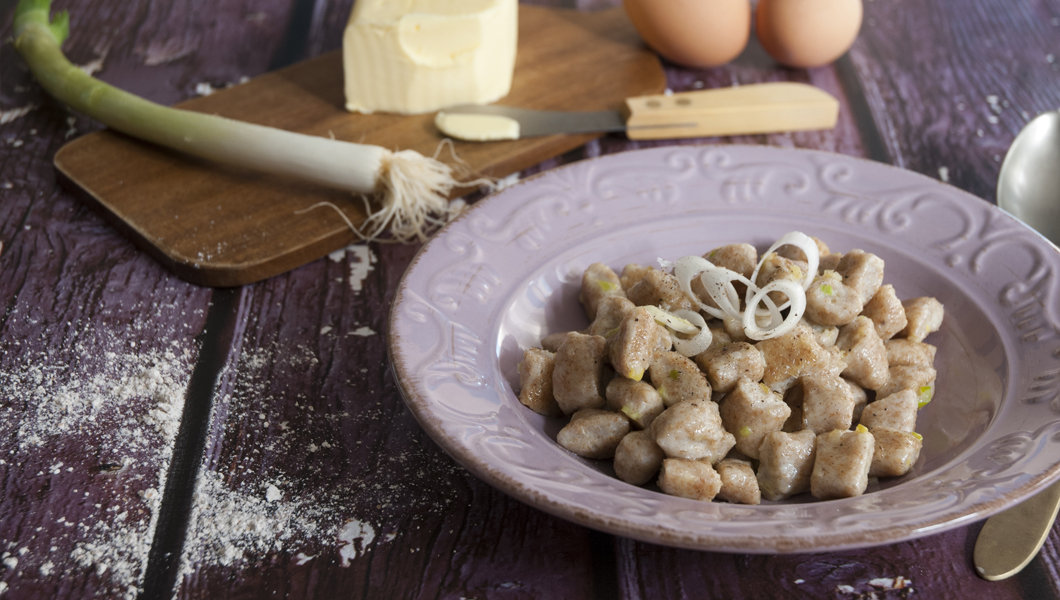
229,526
237,521
363,331
130,412
878,584
891,583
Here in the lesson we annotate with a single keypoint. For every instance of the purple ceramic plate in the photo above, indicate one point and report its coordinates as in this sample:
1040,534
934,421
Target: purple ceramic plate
507,272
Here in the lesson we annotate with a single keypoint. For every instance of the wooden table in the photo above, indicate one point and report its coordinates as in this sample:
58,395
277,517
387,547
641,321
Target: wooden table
161,439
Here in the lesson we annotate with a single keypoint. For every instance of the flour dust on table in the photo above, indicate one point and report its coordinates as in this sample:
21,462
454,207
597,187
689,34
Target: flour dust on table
257,507
130,409
229,526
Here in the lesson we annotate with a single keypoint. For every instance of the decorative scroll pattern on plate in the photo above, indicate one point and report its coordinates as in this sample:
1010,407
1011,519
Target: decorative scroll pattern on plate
457,314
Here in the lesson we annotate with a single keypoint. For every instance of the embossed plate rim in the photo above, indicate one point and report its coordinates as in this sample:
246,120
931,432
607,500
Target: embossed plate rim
449,311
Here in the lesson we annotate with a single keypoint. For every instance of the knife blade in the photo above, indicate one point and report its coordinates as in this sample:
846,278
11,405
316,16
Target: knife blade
739,110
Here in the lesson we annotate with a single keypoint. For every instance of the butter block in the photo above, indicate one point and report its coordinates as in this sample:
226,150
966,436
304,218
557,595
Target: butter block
416,56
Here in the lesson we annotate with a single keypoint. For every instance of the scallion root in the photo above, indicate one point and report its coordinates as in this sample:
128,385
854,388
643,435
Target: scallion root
416,189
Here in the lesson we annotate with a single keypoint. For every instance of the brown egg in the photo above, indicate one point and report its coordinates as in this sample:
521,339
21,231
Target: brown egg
807,33
695,33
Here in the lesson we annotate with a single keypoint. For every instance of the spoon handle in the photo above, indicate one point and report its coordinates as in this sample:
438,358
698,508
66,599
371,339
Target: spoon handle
1010,539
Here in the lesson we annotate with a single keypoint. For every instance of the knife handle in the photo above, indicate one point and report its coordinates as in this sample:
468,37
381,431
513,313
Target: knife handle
746,109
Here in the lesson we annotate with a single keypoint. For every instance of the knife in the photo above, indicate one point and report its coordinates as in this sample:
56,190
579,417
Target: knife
739,110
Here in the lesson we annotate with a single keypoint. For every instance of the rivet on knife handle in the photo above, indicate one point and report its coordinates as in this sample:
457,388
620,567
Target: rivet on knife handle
1011,539
759,108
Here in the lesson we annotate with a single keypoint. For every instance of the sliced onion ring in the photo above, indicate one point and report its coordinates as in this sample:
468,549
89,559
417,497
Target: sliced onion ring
700,342
717,281
802,242
796,299
672,321
686,269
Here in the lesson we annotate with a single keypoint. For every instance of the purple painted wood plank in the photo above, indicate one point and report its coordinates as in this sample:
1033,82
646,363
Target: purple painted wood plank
651,571
951,83
317,479
362,501
328,23
933,567
168,51
97,341
317,471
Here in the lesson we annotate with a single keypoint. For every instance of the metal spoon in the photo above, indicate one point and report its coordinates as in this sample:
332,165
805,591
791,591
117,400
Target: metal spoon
1029,184
1029,189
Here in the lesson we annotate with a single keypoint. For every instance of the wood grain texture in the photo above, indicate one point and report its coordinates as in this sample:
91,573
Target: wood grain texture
753,65
952,83
96,340
221,226
87,326
306,402
934,567
313,409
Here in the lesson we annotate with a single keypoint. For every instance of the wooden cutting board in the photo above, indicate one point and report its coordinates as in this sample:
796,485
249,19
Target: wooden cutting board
219,226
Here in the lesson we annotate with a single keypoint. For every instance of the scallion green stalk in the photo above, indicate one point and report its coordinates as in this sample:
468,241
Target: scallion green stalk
411,189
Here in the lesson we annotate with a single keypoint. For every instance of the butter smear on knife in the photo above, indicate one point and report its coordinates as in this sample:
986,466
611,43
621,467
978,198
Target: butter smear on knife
477,128
416,56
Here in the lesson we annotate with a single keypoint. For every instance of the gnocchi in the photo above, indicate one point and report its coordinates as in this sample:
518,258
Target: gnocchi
740,377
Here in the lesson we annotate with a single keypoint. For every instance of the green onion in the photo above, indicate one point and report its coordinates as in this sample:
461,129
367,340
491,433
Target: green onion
675,374
826,289
411,188
924,395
